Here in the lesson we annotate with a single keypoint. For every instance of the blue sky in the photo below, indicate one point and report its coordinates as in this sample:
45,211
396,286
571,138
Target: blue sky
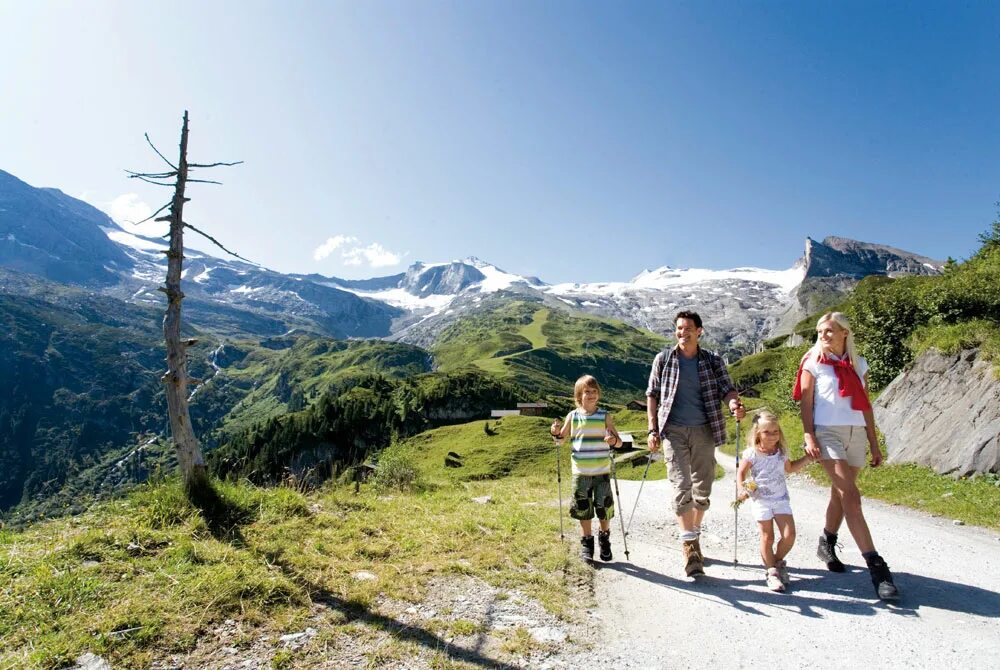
575,141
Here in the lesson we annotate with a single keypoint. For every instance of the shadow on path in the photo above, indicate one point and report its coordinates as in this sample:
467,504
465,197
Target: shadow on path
394,627
852,590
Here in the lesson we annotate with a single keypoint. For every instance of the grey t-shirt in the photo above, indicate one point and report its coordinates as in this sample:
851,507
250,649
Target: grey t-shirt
688,408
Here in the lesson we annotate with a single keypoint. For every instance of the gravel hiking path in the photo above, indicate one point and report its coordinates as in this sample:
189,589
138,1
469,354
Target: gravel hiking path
650,615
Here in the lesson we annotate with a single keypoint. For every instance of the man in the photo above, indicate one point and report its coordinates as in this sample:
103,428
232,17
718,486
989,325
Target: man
687,386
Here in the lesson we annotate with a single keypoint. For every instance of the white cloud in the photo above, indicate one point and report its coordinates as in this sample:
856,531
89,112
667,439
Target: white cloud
375,254
331,245
352,252
128,209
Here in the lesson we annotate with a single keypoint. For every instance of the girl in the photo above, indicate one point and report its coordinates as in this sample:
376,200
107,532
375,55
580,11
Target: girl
593,436
766,460
838,421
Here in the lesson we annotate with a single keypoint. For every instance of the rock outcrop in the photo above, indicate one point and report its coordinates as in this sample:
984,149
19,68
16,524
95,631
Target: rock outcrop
944,412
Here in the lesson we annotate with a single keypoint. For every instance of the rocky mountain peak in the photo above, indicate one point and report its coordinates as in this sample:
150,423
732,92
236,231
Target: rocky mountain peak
843,257
440,279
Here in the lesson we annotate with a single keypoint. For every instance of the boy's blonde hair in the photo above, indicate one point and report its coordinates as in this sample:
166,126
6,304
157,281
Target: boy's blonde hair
840,319
765,416
584,382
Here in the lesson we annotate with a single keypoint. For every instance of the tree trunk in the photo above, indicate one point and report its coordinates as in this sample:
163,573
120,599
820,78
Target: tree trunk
189,456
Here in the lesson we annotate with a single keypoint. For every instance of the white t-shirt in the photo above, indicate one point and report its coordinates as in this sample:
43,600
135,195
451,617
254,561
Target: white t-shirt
829,409
768,471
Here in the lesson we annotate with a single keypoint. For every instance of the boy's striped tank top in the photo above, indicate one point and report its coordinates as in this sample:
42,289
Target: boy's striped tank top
589,453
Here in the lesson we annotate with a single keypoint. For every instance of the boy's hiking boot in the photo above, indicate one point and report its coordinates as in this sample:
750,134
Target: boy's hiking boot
604,540
782,566
694,562
774,582
587,547
882,579
827,552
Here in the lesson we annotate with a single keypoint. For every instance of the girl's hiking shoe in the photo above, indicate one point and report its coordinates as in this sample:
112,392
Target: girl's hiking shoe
882,579
774,582
694,562
782,566
827,552
604,540
587,547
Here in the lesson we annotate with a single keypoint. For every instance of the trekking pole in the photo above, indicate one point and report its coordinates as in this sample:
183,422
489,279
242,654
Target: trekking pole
558,443
736,507
649,461
621,519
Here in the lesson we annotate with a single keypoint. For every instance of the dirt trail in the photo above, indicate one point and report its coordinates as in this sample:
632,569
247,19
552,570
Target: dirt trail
652,616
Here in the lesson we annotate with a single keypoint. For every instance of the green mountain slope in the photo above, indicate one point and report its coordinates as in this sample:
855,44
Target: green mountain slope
545,350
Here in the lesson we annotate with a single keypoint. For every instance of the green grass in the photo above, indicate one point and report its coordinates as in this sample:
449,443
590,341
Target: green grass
545,350
141,578
953,338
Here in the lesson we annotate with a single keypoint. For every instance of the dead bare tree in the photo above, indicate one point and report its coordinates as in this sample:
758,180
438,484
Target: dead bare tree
190,459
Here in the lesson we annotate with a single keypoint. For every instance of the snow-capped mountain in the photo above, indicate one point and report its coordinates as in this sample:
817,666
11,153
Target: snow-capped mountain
45,232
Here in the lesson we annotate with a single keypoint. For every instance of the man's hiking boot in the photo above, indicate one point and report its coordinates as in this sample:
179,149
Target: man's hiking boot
773,579
782,566
882,579
587,547
694,563
827,552
604,540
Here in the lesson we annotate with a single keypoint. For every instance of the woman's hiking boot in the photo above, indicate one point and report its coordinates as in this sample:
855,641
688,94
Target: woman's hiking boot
694,562
773,579
604,540
882,579
587,547
827,552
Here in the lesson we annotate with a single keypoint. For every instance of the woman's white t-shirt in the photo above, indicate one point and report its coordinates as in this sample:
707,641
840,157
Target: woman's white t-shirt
829,408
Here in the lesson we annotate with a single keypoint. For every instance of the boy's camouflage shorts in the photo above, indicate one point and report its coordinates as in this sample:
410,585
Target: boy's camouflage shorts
592,495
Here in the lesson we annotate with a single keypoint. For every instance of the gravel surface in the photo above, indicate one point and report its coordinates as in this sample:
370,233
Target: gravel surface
652,616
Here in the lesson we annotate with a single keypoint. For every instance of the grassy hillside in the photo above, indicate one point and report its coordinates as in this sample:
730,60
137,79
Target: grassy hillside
141,579
258,381
546,350
355,419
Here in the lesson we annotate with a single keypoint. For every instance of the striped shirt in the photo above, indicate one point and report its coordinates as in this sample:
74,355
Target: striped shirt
589,453
715,382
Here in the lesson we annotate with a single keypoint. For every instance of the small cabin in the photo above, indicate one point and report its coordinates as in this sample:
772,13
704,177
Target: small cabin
532,408
638,405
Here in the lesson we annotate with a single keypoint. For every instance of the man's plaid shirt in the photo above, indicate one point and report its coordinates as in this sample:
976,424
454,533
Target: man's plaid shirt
715,386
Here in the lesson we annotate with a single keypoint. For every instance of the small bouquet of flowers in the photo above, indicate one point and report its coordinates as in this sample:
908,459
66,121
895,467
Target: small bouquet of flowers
750,486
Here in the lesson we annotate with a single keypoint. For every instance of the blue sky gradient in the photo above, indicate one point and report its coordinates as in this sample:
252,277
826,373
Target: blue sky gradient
575,141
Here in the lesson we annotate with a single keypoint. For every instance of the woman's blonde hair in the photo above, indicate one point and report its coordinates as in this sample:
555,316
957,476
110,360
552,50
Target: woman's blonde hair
584,382
840,319
761,417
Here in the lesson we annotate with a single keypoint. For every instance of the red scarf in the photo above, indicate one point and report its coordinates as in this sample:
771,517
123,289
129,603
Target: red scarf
848,381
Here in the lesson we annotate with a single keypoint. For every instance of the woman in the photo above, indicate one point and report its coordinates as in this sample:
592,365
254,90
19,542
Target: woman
838,422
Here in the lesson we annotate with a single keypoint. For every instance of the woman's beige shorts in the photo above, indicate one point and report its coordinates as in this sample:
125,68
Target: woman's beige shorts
843,443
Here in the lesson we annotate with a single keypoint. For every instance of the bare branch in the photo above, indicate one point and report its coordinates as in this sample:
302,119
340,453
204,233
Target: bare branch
154,175
158,152
150,181
216,243
162,218
211,165
203,181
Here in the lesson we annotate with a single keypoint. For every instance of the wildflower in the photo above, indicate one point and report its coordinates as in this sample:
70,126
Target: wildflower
750,486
